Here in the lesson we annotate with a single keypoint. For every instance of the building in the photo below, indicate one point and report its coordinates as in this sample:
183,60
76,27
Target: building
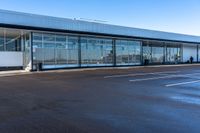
28,41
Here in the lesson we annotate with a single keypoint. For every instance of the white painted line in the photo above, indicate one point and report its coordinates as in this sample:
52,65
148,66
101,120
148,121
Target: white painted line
164,77
141,74
183,83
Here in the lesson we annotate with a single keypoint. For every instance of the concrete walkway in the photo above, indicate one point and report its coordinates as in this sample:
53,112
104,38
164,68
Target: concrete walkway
23,72
13,73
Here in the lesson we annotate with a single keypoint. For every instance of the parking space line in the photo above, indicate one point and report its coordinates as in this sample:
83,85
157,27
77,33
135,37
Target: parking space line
164,77
141,74
183,83
154,78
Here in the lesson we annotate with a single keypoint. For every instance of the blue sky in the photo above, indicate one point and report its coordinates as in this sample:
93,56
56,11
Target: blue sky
180,16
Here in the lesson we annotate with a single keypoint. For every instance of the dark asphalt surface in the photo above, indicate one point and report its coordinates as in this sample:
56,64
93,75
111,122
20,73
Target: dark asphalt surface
91,102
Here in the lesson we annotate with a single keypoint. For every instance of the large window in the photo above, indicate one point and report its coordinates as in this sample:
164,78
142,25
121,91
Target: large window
161,52
128,52
158,54
173,53
96,52
54,51
11,39
147,54
153,52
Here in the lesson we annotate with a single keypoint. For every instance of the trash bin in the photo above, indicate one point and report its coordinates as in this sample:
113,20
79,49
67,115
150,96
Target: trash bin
39,67
146,62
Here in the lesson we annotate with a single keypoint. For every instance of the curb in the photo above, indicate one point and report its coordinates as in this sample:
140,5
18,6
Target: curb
23,72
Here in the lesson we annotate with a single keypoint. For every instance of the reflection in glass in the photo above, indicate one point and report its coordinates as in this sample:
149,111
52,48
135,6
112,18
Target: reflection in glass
173,54
96,52
55,51
127,52
157,54
146,53
11,39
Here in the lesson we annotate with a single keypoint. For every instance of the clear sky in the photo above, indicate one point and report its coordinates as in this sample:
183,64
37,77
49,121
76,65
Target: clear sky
180,16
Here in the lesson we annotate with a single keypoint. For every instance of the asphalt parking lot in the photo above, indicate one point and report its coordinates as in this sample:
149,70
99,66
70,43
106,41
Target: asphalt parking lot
134,100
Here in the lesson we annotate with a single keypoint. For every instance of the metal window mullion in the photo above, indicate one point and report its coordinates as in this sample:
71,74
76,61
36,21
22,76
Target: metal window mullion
55,50
164,52
114,52
66,49
4,44
141,54
79,52
197,53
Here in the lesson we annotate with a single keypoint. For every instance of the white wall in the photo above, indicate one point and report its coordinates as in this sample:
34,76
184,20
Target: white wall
189,51
11,59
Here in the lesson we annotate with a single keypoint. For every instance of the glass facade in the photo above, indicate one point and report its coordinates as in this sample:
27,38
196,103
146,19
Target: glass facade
161,52
62,50
173,53
96,52
128,52
54,50
157,54
11,39
59,50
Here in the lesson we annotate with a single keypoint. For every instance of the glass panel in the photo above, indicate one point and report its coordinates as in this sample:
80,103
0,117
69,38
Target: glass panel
157,54
128,52
147,53
173,54
38,53
49,56
49,37
13,40
153,52
96,52
60,38
55,51
37,36
49,53
72,50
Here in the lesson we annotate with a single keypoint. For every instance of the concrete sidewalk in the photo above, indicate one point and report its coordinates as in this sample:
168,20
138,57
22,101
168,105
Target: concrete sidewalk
13,73
23,72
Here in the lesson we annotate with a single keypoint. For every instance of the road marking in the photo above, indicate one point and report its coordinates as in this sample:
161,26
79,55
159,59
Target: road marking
164,77
141,74
183,83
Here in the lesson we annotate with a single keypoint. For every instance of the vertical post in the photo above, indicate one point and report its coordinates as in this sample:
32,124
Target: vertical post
197,53
181,46
79,51
4,39
31,48
141,53
114,53
151,52
164,52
